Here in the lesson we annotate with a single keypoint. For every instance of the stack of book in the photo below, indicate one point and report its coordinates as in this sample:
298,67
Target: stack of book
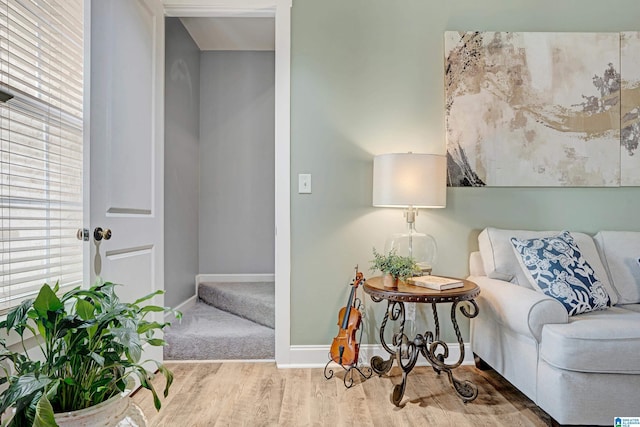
436,282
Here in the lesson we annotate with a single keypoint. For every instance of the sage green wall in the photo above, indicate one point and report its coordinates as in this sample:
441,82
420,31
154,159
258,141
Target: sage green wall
367,78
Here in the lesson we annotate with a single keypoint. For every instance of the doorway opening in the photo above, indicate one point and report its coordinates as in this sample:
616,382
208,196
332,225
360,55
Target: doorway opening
219,186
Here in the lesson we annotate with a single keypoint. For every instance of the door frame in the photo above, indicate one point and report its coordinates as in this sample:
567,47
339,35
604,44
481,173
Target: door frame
86,146
282,14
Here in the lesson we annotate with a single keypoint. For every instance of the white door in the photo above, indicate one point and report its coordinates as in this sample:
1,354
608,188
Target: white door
127,147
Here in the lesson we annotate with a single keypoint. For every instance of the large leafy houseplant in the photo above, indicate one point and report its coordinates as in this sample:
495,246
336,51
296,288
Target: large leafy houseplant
88,345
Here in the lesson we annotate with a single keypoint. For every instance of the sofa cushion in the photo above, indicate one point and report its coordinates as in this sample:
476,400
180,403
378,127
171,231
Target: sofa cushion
600,341
620,252
557,268
500,262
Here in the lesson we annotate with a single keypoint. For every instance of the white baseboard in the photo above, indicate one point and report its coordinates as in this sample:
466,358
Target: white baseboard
190,302
222,361
317,356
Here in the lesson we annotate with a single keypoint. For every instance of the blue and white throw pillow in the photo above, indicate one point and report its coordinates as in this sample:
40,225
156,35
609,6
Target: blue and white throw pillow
555,266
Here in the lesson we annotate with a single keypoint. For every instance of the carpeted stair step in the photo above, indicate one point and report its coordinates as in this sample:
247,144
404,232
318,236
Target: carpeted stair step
208,333
252,300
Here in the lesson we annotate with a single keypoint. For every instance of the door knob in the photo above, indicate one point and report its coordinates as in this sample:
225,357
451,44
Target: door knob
99,234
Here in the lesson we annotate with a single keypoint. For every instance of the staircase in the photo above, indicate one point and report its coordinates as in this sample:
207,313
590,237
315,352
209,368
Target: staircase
230,321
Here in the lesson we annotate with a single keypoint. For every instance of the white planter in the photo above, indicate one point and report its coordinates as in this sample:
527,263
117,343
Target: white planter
119,411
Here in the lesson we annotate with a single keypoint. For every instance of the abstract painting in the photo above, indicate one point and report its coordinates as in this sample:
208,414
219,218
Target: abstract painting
537,109
630,109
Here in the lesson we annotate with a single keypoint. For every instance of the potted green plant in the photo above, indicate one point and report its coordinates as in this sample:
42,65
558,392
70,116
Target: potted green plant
88,349
393,267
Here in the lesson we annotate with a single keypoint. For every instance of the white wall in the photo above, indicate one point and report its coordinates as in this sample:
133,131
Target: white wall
237,162
182,129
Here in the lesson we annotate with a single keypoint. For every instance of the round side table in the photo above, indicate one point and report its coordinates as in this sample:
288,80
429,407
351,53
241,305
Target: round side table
405,350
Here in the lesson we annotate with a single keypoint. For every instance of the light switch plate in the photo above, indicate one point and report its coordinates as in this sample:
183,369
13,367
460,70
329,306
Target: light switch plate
304,183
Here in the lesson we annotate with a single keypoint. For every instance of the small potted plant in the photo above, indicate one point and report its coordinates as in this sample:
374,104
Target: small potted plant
393,267
88,348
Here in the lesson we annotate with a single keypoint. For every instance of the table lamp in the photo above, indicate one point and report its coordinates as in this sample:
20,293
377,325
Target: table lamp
411,181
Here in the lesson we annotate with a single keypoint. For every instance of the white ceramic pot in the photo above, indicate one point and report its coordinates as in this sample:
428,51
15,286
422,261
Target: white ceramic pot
119,411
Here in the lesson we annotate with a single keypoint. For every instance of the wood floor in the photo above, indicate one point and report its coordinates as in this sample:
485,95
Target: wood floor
259,394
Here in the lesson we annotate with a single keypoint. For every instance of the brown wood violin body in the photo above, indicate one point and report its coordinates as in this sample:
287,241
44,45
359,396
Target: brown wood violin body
345,346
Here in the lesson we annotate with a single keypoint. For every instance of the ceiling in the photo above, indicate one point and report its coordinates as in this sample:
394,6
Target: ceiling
232,33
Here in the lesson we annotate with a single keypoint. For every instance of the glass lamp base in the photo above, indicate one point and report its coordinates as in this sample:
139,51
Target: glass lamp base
421,247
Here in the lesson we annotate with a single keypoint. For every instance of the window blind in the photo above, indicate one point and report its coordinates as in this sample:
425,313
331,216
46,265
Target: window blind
41,65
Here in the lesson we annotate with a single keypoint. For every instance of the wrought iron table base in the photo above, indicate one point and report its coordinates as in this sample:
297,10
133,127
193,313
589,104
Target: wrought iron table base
405,351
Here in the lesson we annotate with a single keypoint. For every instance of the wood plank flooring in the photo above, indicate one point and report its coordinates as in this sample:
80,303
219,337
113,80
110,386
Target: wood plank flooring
259,394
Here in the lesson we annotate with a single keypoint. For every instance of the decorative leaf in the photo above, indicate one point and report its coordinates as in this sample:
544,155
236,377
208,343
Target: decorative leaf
148,297
168,376
70,381
26,410
24,387
53,389
69,325
99,359
44,414
47,301
85,309
92,331
42,330
150,325
17,317
153,308
144,382
134,350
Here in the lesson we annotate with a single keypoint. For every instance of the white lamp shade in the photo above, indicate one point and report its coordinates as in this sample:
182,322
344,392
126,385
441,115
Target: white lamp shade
410,179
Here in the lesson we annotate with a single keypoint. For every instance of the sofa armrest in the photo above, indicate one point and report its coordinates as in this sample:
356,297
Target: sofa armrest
521,309
476,268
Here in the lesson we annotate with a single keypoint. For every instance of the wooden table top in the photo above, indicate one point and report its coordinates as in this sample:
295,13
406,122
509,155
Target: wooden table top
406,292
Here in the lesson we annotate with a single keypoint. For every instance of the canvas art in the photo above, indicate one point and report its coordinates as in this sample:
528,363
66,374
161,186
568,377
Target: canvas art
630,109
541,109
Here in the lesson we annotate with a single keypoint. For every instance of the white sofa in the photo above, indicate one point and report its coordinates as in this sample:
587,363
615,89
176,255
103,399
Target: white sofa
581,369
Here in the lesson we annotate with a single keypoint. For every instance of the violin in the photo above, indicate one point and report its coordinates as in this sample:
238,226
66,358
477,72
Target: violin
345,346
